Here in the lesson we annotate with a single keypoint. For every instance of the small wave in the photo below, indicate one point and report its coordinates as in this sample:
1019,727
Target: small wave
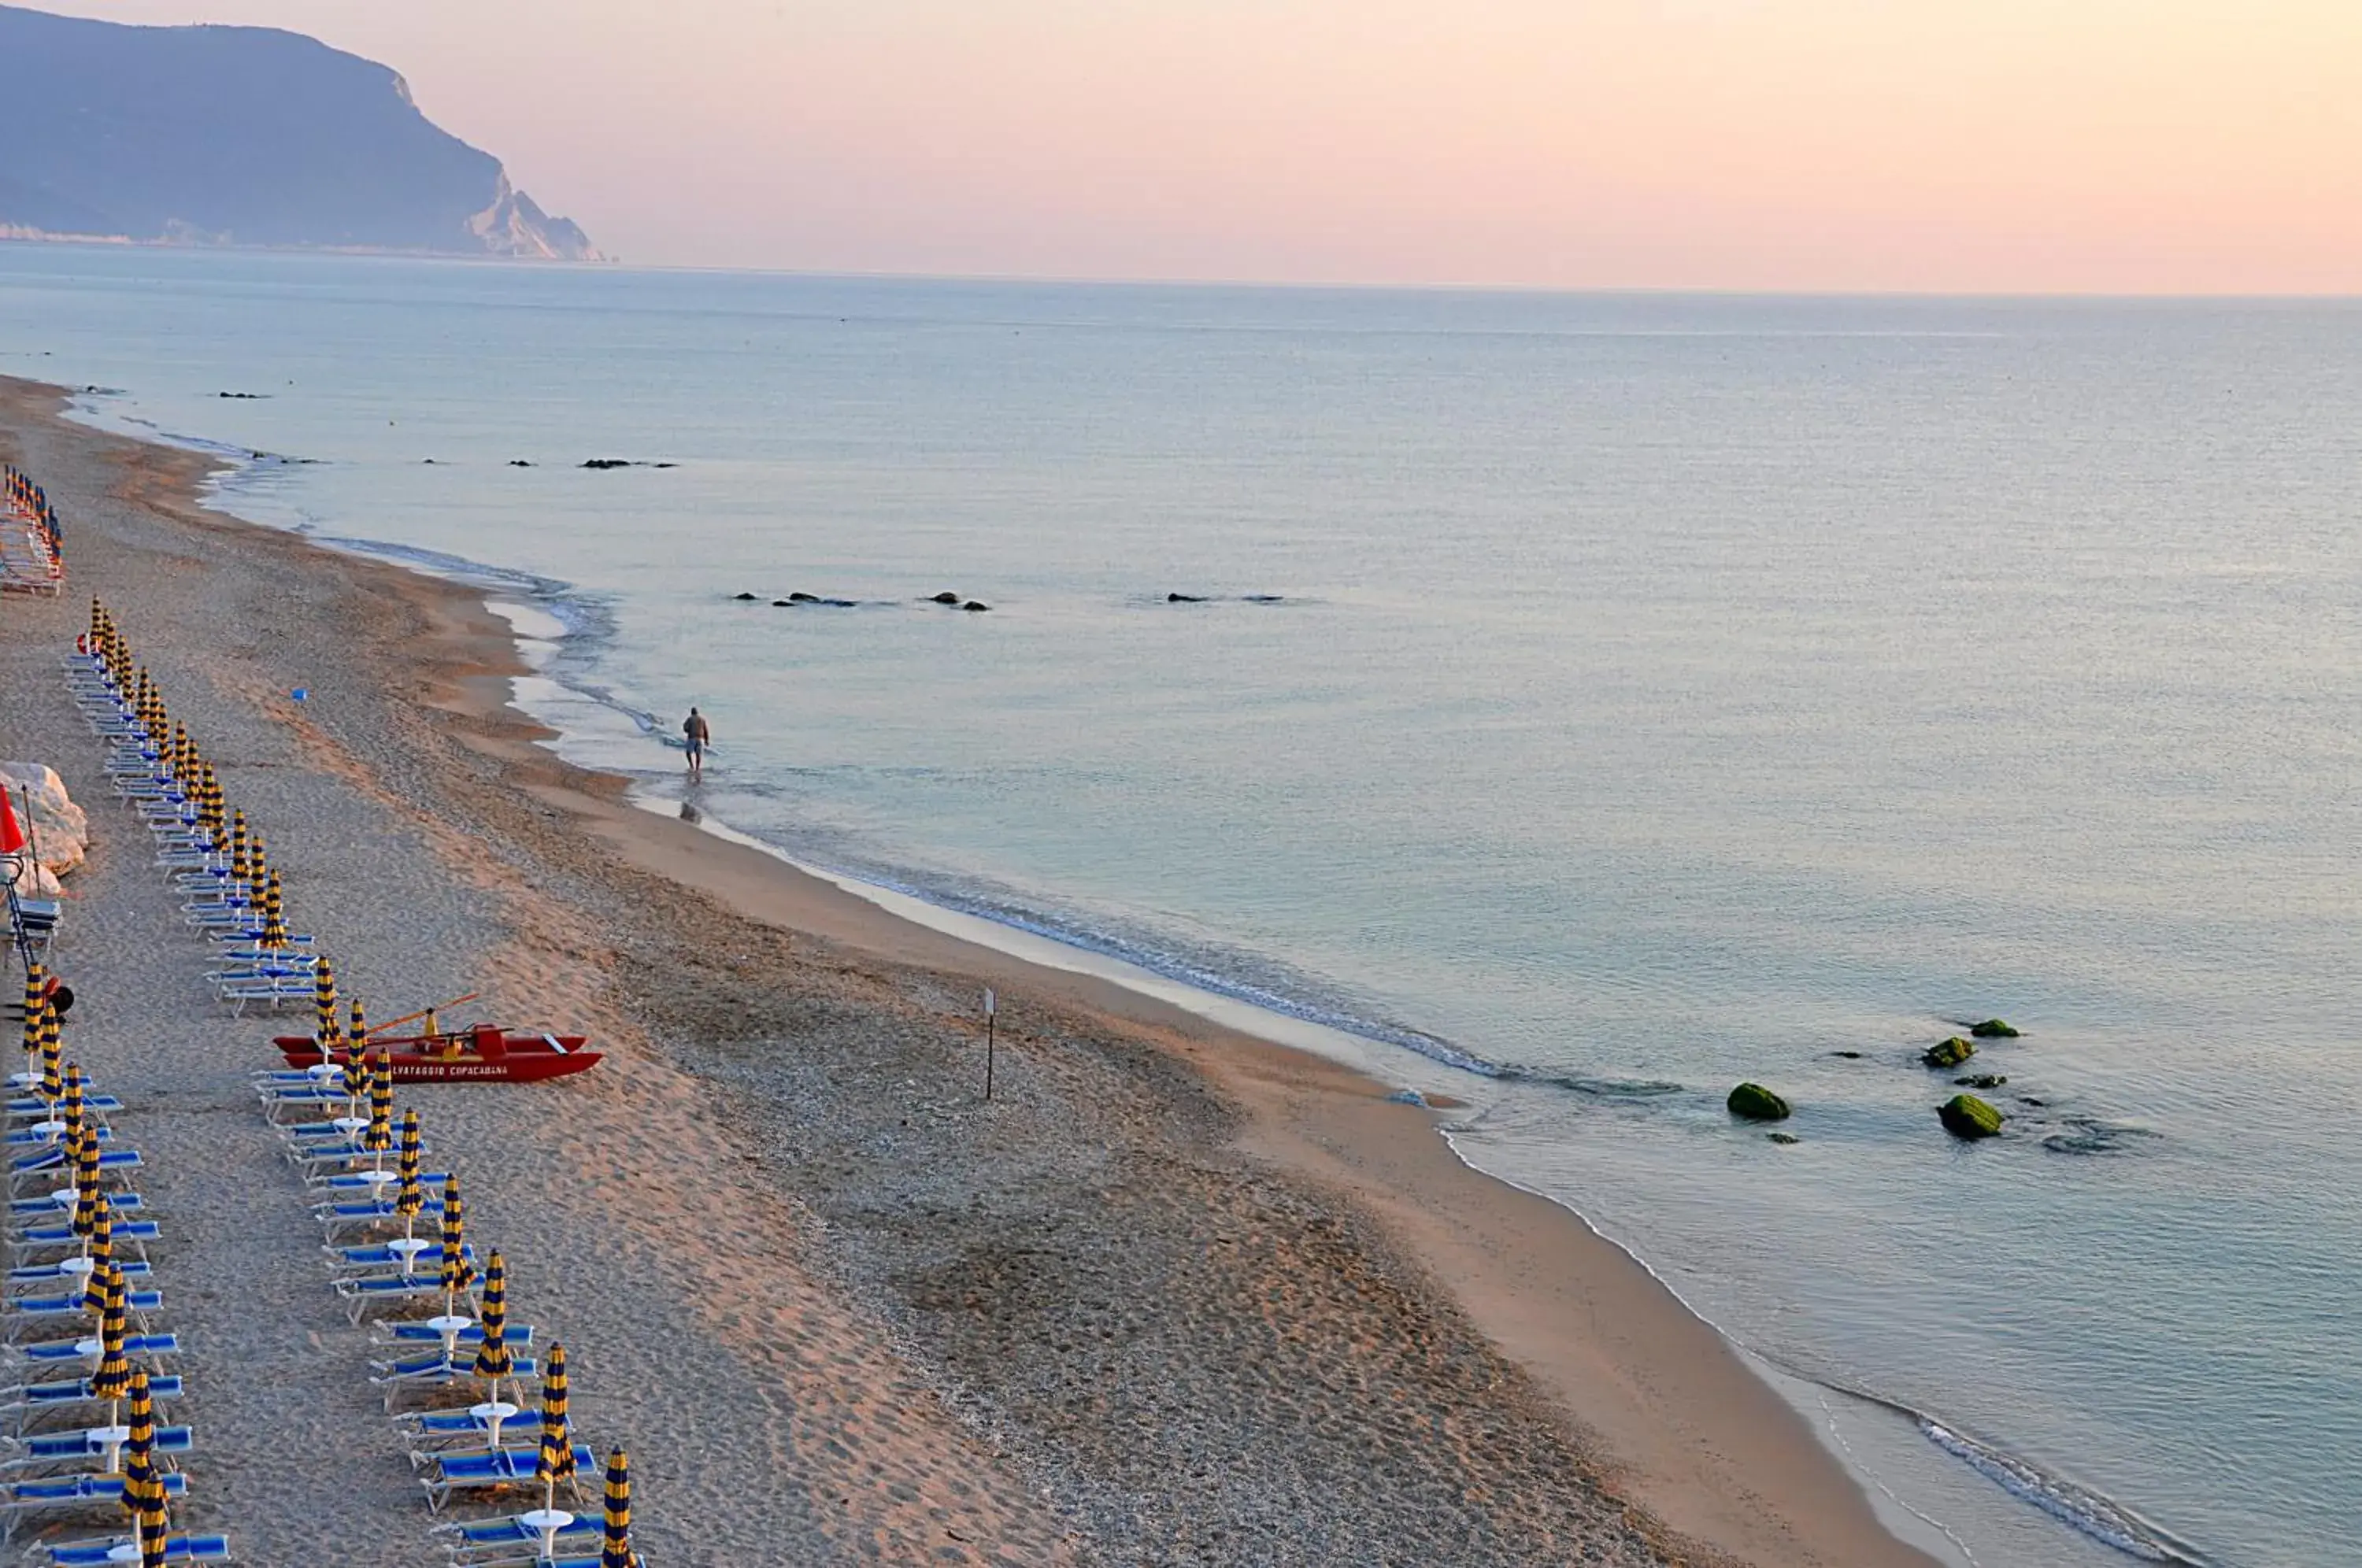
1602,1088
2093,1515
2090,1136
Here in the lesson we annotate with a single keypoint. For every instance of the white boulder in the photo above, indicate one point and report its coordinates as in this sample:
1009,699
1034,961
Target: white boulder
59,830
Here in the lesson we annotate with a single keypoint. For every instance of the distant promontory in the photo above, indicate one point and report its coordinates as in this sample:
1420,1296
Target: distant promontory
241,137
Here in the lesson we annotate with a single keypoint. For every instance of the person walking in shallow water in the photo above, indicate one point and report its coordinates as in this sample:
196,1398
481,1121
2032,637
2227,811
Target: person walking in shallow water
695,735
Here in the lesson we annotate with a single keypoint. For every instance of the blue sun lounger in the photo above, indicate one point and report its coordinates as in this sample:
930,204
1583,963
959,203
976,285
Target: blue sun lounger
72,1447
479,1539
53,1313
19,1499
33,1277
361,1294
426,1374
25,1137
178,1549
50,1401
35,1106
57,1355
501,1467
516,1336
49,1204
380,1255
52,1162
132,1233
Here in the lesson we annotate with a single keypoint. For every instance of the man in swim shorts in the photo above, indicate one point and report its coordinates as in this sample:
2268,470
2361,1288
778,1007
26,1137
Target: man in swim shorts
696,734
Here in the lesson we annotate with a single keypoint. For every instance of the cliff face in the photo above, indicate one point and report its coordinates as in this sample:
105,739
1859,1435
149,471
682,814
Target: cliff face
241,136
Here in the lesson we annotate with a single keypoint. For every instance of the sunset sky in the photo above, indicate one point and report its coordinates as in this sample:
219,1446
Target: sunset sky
2134,146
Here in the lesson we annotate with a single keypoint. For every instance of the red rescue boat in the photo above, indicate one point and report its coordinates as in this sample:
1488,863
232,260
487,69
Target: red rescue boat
482,1054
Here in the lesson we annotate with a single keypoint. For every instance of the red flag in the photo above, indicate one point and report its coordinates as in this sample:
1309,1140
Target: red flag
12,832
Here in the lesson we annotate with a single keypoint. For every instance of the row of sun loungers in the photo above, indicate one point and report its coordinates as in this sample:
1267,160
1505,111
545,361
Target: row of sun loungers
83,1378
32,556
450,1367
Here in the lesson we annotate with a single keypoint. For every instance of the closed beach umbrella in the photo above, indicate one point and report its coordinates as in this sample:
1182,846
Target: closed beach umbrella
70,1107
36,1003
86,1191
53,1083
407,1198
99,1247
275,921
557,1461
327,1031
495,1361
139,1450
241,859
378,1137
86,1166
457,1274
615,1548
355,1063
112,1378
143,1481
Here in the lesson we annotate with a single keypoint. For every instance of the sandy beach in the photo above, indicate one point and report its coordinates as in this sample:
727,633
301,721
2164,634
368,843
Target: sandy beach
1174,1296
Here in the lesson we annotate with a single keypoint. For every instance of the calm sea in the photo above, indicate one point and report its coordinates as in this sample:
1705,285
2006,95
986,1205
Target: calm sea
1592,701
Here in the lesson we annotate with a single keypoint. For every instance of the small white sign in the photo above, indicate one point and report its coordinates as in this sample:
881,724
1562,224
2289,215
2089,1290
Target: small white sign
991,1002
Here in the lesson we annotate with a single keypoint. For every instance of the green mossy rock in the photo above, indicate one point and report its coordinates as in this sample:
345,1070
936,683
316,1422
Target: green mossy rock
1982,1080
1951,1054
1966,1115
1993,1029
1757,1103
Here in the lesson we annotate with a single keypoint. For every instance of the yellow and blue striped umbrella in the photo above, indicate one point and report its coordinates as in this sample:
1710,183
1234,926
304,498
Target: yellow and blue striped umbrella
53,1083
458,1273
407,1198
70,1107
494,1359
241,861
274,919
378,1137
113,1378
327,1030
99,1247
556,1462
143,1481
355,1063
36,1003
87,1170
615,1548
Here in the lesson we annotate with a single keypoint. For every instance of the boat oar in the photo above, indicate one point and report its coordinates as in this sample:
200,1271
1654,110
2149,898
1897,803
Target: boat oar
422,1011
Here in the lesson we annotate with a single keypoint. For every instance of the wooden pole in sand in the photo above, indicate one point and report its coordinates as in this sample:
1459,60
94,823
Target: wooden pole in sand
992,1006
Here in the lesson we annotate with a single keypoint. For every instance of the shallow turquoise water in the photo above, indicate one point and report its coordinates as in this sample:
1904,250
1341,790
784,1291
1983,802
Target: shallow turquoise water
1661,692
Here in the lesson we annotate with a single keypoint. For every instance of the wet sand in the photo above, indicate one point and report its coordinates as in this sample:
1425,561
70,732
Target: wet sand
1175,1295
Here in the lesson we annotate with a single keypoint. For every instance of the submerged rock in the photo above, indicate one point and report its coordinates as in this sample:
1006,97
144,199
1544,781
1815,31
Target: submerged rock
1984,1080
1783,1137
780,603
747,598
945,597
607,463
1966,1115
1757,1103
1184,599
976,604
800,597
1951,1054
521,463
1993,1029
1848,1056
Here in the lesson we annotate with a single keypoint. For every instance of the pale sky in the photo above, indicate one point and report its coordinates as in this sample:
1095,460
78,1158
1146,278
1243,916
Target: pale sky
2112,146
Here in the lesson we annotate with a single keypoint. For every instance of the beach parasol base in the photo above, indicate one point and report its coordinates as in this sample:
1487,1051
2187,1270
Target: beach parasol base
549,1521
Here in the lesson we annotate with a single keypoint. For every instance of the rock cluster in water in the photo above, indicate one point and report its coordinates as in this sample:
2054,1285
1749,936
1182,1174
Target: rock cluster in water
1966,1115
1951,1054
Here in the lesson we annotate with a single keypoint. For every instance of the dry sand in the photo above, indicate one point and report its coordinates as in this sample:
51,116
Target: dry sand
1175,1296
